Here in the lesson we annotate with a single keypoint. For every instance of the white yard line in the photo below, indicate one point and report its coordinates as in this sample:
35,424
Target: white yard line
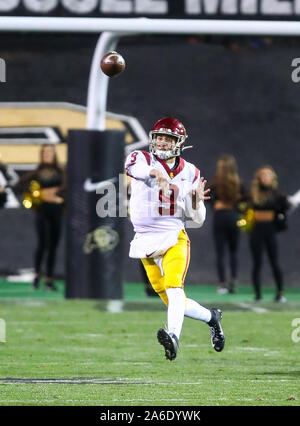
252,308
125,382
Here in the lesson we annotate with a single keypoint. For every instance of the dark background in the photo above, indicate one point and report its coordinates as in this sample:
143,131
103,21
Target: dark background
234,95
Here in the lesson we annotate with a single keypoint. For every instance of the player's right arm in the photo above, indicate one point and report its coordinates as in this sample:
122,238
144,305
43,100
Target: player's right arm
138,166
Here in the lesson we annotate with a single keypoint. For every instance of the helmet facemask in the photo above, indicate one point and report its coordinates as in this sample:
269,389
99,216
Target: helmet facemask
166,155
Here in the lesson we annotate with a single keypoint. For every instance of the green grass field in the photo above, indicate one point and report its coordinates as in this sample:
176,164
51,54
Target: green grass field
73,352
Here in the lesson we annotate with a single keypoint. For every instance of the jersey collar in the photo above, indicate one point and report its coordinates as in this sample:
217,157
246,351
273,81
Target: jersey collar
172,172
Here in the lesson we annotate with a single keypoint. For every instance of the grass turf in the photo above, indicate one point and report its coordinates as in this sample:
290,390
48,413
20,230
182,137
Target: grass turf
71,352
136,292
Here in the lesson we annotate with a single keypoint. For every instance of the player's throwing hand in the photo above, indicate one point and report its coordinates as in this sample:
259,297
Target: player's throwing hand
200,193
160,181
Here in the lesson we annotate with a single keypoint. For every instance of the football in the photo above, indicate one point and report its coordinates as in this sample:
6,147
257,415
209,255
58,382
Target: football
112,64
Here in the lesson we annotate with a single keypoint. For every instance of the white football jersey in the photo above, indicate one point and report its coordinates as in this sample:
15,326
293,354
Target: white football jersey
150,211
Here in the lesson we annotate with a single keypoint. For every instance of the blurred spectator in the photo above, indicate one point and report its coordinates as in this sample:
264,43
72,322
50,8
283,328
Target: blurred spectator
226,192
47,185
269,214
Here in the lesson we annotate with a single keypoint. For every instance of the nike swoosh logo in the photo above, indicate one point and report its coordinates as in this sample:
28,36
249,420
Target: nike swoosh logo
148,255
90,186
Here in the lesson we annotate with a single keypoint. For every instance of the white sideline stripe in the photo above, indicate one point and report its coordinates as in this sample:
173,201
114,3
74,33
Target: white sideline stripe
129,382
256,309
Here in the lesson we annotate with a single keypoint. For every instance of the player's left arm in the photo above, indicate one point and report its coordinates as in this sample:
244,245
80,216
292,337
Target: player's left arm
195,200
200,193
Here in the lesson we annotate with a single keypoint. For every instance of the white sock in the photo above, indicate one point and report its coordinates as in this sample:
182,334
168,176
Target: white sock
176,307
196,311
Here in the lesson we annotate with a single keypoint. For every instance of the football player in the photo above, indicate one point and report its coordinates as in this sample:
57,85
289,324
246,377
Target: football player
165,191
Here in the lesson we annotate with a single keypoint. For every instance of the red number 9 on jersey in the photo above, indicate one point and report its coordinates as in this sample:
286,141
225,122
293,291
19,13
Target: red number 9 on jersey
164,211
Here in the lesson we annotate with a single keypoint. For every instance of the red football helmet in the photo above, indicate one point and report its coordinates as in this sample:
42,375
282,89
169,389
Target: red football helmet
172,127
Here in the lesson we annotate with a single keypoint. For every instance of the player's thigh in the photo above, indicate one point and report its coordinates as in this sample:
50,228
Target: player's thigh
154,275
155,278
176,262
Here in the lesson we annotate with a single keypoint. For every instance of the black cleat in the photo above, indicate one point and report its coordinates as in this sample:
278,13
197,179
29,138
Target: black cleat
216,332
169,342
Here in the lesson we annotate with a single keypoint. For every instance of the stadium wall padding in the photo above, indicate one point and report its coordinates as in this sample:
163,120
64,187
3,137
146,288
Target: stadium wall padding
94,245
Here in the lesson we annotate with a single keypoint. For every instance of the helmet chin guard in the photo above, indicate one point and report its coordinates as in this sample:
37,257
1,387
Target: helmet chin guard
172,127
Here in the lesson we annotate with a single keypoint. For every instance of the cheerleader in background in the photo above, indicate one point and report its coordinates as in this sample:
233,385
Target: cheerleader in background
226,192
269,211
48,215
